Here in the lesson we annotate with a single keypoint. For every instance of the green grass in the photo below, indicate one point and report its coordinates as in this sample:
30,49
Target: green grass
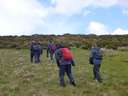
18,77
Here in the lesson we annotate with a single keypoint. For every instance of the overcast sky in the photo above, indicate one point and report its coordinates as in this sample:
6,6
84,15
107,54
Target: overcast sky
26,17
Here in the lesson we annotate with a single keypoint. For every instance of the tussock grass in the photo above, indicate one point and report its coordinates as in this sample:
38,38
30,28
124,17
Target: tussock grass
19,77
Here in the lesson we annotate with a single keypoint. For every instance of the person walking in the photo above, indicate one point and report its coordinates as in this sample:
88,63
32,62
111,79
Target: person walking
65,61
96,59
51,49
36,51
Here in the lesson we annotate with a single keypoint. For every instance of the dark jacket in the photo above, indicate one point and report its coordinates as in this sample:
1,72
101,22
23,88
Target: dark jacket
36,48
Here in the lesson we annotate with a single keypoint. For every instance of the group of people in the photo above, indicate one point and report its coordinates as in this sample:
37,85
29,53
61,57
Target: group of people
65,61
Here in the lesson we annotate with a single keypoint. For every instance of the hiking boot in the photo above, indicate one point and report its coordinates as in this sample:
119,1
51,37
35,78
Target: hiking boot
73,83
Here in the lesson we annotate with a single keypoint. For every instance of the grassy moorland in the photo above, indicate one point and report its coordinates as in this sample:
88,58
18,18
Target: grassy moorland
18,77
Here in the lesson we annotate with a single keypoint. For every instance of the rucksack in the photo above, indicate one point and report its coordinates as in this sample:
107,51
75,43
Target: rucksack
36,47
99,54
66,53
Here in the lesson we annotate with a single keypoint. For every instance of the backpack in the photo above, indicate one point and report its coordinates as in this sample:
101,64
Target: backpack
66,54
99,54
36,47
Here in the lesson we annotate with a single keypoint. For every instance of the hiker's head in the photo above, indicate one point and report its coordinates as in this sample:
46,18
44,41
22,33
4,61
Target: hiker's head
33,42
59,46
94,45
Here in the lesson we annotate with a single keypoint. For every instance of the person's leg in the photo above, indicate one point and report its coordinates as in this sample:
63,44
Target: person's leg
69,74
97,72
36,56
47,53
51,56
58,63
99,77
94,72
61,75
31,57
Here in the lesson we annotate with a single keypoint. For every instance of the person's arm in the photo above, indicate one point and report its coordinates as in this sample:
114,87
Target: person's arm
73,62
57,57
92,53
58,54
91,57
31,47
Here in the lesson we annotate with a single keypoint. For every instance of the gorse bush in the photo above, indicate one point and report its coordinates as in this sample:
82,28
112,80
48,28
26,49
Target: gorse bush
78,41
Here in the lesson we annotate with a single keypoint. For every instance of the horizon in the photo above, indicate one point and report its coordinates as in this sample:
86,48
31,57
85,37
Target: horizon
65,34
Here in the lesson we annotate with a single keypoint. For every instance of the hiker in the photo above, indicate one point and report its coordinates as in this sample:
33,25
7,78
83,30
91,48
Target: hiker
51,49
64,62
48,48
36,51
96,56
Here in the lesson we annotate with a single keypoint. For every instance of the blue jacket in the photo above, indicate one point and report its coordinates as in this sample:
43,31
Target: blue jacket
36,48
95,54
59,57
